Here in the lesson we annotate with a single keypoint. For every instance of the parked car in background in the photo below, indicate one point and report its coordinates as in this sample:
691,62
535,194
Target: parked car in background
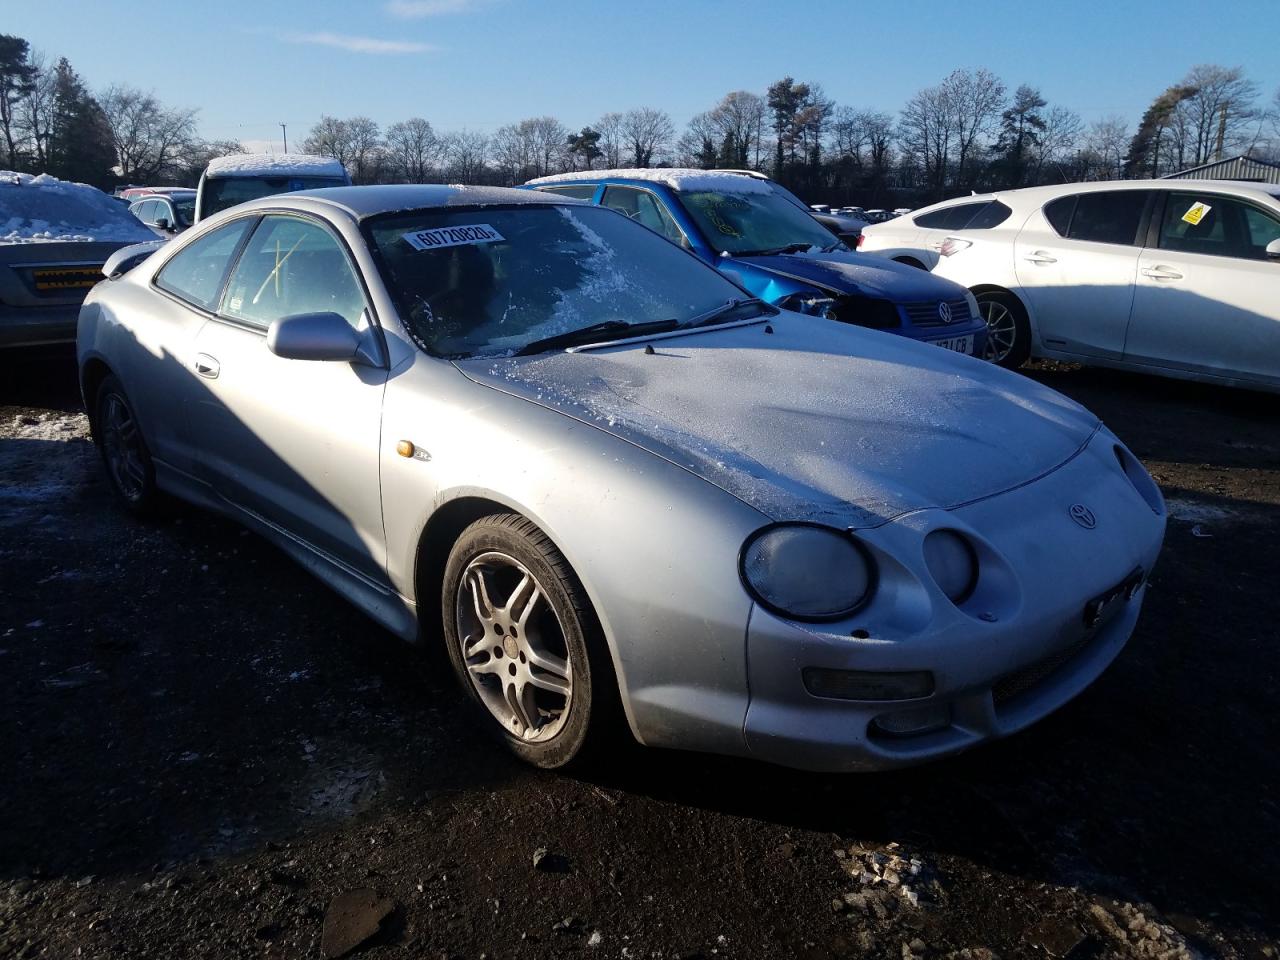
1174,277
775,250
54,238
617,492
916,238
166,213
246,176
844,225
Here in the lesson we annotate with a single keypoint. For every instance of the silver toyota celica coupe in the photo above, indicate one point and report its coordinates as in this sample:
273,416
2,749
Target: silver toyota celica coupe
615,486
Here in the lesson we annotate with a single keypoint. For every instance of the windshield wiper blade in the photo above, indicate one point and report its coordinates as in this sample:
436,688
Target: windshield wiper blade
719,313
789,248
594,334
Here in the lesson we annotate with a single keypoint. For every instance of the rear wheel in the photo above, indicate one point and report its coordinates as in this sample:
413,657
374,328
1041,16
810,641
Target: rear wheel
1008,331
525,643
124,451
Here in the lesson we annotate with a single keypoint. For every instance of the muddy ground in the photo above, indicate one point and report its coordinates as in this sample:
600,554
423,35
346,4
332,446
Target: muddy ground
201,747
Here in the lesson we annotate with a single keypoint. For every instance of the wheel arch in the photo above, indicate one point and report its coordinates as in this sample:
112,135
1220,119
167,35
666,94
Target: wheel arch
911,262
92,372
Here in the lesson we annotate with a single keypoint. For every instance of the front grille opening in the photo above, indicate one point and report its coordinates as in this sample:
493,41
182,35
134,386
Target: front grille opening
926,314
877,314
1013,685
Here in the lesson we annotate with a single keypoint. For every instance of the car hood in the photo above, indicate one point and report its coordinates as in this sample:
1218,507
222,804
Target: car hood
845,273
815,421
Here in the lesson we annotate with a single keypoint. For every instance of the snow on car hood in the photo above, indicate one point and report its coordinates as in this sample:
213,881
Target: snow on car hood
842,273
44,209
817,421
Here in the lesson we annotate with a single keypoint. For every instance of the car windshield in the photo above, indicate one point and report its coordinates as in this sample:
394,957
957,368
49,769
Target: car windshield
496,280
753,223
185,208
223,192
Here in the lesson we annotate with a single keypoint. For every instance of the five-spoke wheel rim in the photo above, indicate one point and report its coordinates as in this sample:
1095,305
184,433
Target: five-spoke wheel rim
1002,329
513,647
122,444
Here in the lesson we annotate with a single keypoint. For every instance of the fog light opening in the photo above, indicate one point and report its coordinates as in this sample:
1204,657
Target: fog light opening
909,723
868,684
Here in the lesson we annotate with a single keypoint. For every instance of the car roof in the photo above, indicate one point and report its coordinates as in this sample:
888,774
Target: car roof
673,178
1044,194
369,201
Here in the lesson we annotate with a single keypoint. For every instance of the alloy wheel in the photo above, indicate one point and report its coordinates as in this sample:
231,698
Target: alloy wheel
513,647
1002,330
122,445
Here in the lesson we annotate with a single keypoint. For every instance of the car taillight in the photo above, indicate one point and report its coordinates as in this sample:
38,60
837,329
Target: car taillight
858,242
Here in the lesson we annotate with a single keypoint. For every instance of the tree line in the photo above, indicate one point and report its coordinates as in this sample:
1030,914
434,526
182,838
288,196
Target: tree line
967,132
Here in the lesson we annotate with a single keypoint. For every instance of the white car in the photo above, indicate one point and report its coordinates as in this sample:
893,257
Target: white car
916,239
1174,277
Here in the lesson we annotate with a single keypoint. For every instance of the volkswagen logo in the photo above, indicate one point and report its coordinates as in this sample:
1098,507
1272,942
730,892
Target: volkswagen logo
944,312
1083,516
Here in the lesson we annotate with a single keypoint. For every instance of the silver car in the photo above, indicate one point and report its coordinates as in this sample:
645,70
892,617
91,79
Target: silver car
617,488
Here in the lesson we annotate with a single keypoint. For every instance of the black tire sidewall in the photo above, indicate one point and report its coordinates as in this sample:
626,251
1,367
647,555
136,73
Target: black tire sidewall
1020,352
511,535
144,504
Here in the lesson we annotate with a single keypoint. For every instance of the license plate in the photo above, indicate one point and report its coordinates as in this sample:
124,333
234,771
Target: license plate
1104,606
65,278
958,344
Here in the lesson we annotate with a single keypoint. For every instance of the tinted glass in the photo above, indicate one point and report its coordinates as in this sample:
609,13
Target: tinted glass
1110,217
223,192
195,273
1216,225
144,211
1058,213
644,208
991,215
292,266
489,282
948,218
580,191
185,208
755,220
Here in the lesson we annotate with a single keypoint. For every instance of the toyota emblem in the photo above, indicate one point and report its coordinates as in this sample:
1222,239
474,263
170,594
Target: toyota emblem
944,311
1083,516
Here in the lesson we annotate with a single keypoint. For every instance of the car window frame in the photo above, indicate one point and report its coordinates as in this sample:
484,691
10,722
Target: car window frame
1156,225
154,282
661,204
343,246
1141,234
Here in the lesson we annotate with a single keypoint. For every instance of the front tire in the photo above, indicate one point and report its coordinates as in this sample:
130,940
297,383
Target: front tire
124,451
525,643
1008,330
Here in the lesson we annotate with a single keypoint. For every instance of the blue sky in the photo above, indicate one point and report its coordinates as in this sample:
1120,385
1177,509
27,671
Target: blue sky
481,63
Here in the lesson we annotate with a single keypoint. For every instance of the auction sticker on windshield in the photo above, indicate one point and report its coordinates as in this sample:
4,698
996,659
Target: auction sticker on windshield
440,237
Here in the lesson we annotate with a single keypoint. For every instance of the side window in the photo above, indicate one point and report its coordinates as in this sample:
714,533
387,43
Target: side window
1109,217
289,266
949,218
991,215
195,273
1058,213
162,210
1216,225
579,191
145,211
643,207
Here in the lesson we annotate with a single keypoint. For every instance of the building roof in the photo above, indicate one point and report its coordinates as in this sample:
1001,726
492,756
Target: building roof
1244,167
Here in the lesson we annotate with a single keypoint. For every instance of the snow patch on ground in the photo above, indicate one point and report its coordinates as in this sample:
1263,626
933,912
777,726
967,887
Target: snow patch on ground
44,209
1192,511
30,484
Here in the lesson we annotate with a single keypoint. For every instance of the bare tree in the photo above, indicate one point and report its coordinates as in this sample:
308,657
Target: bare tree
736,124
466,153
365,140
647,132
512,150
1108,141
330,138
1220,116
611,139
925,135
150,139
413,149
35,112
974,100
697,145
1056,141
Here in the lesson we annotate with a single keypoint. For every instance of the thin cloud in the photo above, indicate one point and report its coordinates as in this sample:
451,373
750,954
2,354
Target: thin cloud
355,44
419,9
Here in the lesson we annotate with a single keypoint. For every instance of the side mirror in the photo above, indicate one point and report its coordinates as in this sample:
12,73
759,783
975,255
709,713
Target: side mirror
1273,249
162,223
314,336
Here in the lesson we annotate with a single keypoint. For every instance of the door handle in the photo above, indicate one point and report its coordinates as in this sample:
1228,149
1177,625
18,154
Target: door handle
1040,257
1161,273
207,366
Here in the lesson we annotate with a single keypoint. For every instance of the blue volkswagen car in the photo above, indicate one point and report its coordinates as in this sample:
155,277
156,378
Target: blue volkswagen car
748,228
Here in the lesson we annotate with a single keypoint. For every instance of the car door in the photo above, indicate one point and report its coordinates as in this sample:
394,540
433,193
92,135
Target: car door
1207,297
294,442
1075,260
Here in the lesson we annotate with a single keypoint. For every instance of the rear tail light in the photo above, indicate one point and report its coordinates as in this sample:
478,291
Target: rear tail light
858,242
953,245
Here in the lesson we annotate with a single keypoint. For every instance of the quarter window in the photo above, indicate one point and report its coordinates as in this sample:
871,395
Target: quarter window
644,208
195,273
1058,213
1112,216
579,191
292,266
948,218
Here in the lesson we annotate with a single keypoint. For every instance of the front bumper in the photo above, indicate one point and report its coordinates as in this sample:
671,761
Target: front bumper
1016,651
32,326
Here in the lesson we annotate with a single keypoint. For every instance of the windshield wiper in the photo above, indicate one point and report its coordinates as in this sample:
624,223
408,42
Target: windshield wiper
789,248
721,312
593,334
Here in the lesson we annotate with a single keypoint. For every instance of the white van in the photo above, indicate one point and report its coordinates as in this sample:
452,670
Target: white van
246,176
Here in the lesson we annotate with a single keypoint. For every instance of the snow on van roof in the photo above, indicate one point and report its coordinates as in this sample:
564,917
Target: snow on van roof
274,164
44,209
684,179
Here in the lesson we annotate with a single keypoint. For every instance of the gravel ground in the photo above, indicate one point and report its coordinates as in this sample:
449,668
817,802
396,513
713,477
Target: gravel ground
204,753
